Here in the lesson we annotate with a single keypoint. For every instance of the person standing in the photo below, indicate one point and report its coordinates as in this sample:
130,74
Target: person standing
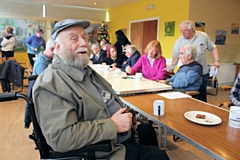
8,42
151,64
34,44
122,41
202,42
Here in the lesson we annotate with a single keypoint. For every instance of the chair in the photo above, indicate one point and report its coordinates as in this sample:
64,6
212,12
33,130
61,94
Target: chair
194,94
46,153
213,84
226,103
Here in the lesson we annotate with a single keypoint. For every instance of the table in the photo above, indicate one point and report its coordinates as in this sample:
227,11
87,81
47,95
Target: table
129,86
220,141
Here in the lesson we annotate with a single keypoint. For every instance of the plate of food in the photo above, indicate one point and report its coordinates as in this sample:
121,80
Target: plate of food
201,117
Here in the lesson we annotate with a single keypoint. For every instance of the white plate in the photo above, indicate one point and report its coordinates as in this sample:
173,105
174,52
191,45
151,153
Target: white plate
210,119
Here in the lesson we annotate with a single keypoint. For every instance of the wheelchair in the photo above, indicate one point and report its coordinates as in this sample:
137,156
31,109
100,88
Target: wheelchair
46,152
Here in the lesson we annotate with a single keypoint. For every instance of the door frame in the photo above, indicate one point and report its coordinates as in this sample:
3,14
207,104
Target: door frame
144,20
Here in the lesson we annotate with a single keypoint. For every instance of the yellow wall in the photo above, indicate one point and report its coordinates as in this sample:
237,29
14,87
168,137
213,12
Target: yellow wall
171,10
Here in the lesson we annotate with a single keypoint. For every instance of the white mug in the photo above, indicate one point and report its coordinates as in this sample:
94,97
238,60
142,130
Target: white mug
158,107
106,68
234,117
138,76
117,72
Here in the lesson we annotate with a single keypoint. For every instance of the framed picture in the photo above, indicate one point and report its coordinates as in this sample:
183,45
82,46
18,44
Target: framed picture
169,28
235,28
220,37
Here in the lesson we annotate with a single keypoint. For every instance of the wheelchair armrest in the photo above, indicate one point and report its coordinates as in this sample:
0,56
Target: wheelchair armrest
104,146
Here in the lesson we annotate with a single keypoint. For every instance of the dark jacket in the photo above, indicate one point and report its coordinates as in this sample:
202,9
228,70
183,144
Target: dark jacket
11,72
122,41
102,56
130,61
110,61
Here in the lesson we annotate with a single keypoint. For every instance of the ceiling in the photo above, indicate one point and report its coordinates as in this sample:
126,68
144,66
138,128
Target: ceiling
98,4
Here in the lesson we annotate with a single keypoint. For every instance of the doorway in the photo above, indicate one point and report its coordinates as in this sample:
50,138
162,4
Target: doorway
143,31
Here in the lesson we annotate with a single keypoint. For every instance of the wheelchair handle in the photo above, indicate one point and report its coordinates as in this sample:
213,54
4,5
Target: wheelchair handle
32,77
14,96
8,96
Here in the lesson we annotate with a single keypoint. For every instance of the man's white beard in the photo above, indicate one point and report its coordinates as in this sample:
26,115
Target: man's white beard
75,59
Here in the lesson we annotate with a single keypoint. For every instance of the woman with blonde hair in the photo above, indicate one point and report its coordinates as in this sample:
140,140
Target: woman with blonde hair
8,42
151,64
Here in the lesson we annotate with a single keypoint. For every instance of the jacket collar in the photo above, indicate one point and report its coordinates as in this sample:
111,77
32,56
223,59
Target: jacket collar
74,72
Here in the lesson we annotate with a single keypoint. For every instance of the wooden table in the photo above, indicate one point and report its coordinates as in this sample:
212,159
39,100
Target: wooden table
129,86
219,141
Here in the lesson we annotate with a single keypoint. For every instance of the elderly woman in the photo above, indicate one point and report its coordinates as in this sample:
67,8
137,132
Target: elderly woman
151,64
112,58
8,42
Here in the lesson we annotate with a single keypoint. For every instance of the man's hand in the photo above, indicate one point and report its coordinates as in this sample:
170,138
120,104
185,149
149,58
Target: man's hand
123,121
217,64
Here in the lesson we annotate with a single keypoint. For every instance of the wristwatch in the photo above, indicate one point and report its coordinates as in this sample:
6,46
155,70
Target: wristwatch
217,60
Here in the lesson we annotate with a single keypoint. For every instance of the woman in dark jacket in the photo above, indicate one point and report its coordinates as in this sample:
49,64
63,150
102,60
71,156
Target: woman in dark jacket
112,58
122,41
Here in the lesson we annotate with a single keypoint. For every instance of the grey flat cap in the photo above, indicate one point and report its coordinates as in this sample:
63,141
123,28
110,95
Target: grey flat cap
63,24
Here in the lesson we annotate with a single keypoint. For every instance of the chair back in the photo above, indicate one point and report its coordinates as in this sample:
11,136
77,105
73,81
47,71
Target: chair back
37,135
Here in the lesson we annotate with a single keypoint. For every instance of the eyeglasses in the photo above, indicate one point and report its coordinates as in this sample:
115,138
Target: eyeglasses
184,31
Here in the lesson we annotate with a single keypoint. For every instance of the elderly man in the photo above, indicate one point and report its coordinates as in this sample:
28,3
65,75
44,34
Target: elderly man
44,58
188,77
42,62
202,42
98,54
132,55
76,107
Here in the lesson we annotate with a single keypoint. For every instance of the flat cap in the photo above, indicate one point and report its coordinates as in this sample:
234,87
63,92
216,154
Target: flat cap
63,24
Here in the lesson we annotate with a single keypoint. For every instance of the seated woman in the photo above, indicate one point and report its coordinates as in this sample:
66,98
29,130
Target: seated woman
151,64
112,59
188,76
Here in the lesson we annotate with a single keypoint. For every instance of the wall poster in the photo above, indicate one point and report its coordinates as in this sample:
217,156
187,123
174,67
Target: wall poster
169,28
220,37
200,26
23,28
235,28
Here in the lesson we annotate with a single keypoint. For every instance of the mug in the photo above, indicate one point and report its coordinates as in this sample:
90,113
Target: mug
117,72
106,68
158,107
138,76
234,117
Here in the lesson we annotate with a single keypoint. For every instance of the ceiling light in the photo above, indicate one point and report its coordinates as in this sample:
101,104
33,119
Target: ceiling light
44,10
